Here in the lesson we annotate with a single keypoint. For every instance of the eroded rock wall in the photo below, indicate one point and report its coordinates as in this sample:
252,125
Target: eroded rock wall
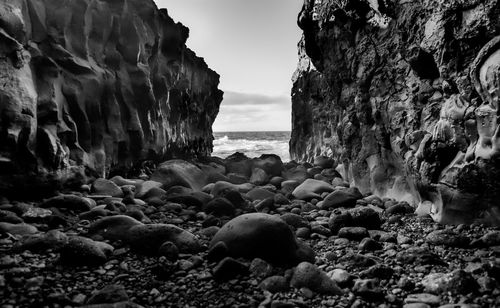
99,83
404,94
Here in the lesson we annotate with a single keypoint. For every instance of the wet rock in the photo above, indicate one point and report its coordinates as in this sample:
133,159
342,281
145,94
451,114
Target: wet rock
259,235
309,276
229,268
270,163
107,188
310,189
448,238
353,233
108,295
81,251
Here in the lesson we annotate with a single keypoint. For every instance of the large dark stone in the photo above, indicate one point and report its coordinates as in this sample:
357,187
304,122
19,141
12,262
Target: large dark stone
264,236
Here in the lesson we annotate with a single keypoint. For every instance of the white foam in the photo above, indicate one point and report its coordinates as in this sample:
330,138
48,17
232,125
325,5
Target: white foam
223,147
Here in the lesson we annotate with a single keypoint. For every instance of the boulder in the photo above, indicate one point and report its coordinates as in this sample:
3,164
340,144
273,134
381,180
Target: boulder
180,172
341,198
112,227
311,188
259,235
107,188
270,163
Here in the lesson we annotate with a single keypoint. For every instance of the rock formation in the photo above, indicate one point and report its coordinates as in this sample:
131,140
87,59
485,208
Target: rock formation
100,84
404,95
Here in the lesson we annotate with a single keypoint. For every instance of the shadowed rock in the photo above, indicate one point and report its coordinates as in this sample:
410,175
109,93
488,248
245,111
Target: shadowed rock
264,236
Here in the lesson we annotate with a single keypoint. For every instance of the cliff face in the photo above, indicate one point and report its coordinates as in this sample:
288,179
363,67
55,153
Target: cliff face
404,94
99,83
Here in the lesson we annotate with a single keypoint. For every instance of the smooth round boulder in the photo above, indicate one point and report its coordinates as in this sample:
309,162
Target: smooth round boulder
270,163
259,235
107,188
180,172
341,198
310,189
112,227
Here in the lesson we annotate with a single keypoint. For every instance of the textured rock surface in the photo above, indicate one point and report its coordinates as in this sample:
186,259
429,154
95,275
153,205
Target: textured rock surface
100,84
404,96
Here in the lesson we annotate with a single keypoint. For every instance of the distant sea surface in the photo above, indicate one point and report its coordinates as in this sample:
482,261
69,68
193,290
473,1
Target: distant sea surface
252,144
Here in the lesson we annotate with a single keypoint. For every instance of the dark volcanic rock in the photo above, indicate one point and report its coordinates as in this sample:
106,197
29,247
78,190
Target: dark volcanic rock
264,236
399,93
106,90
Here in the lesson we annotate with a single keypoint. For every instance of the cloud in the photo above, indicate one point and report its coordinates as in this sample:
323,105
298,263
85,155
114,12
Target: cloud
253,112
238,98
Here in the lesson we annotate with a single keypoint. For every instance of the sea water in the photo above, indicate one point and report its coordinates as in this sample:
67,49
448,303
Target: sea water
252,144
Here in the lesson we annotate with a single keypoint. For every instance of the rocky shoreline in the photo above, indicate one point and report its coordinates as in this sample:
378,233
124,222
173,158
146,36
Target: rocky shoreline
238,232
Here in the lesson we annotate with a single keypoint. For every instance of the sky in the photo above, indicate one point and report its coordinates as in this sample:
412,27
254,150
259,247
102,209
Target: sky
252,44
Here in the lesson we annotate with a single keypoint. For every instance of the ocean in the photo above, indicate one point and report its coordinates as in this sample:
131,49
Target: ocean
252,144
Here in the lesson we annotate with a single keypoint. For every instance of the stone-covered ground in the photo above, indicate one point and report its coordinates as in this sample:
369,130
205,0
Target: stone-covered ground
370,252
